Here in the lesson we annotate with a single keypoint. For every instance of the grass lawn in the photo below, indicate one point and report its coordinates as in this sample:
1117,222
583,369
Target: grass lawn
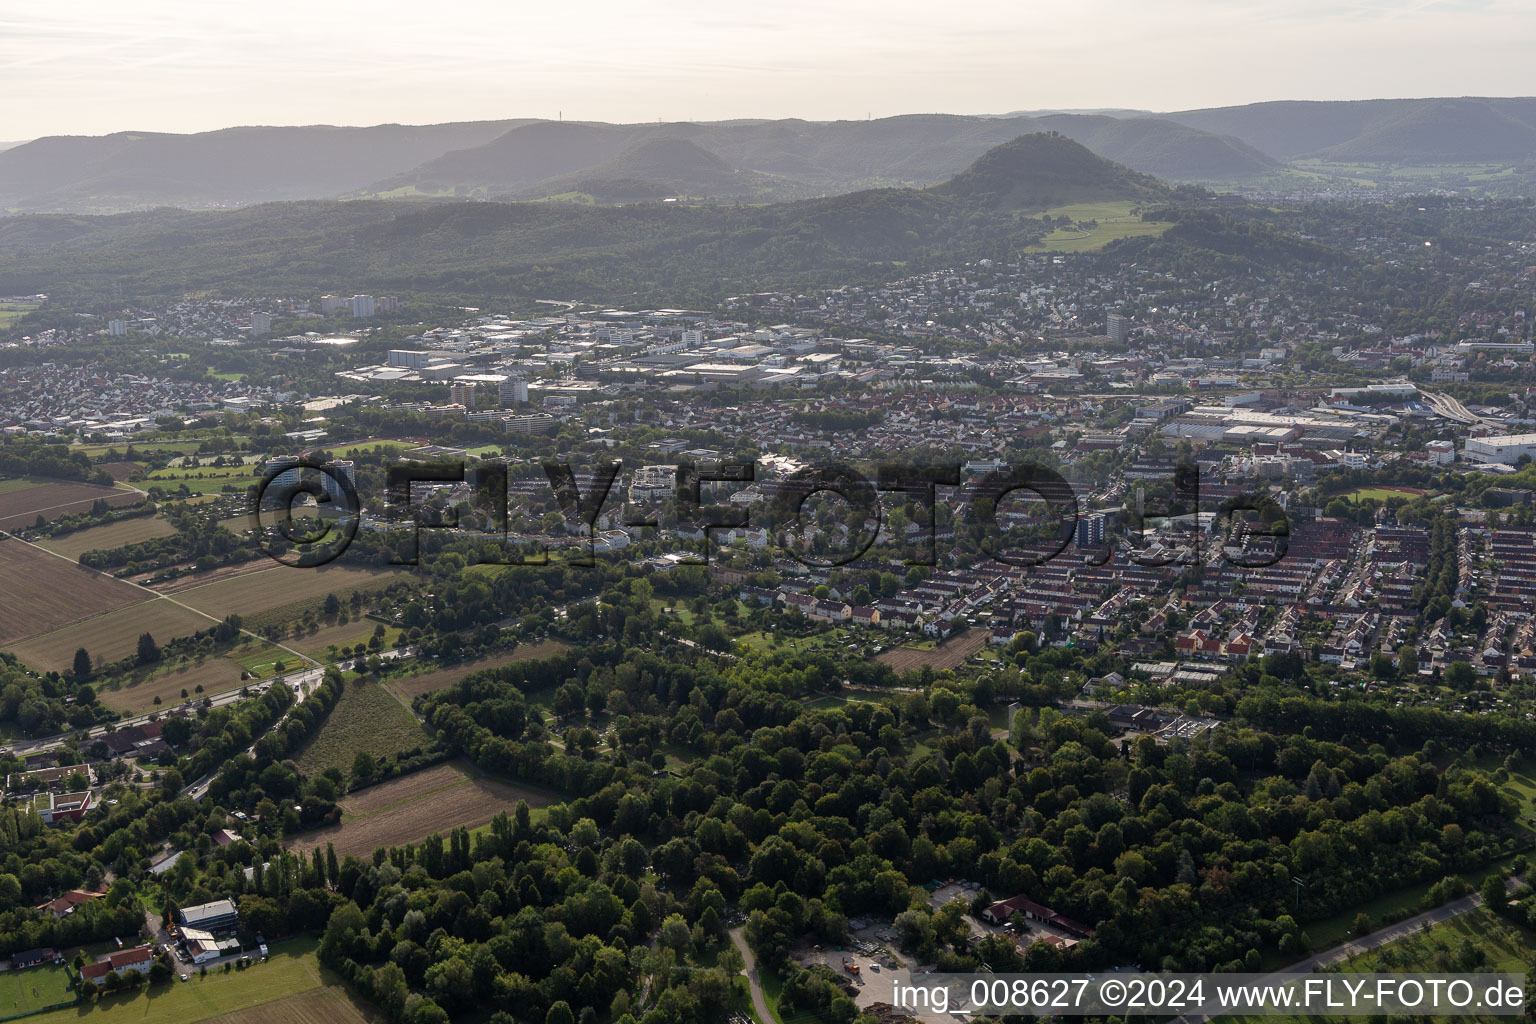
352,451
262,661
184,447
368,717
1394,906
10,312
203,479
1522,785
1114,220
1503,945
291,971
1380,494
1496,946
411,679
773,985
32,989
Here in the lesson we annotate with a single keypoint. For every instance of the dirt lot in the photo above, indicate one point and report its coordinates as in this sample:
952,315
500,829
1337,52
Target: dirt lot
113,535
20,506
408,809
112,636
42,593
947,655
411,686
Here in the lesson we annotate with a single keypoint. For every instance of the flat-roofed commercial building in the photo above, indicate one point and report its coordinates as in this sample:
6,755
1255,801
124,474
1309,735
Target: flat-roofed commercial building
1505,450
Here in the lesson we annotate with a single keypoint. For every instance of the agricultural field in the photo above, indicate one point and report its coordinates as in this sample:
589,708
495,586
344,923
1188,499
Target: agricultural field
328,1004
112,535
368,717
43,593
290,988
411,685
948,654
407,809
30,990
1114,221
120,470
20,505
110,636
280,586
216,674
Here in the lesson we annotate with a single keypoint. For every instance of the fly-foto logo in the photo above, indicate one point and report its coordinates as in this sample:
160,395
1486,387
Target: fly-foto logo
1046,520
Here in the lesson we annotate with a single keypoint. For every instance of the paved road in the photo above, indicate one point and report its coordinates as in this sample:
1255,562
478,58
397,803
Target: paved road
1454,410
304,683
754,983
218,700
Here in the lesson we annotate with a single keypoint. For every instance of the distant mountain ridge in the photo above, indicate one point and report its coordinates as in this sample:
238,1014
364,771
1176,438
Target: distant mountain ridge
771,160
817,158
766,160
1436,130
234,166
993,205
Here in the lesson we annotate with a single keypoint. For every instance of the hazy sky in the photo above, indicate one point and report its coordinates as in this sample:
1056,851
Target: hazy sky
94,66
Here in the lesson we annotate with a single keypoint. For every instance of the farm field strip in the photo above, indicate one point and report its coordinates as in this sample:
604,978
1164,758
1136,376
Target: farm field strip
215,675
44,593
404,789
366,718
112,535
471,802
328,1004
20,507
111,635
265,589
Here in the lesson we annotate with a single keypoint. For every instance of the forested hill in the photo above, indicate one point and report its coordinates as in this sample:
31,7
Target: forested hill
1413,131
491,248
1037,171
766,160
